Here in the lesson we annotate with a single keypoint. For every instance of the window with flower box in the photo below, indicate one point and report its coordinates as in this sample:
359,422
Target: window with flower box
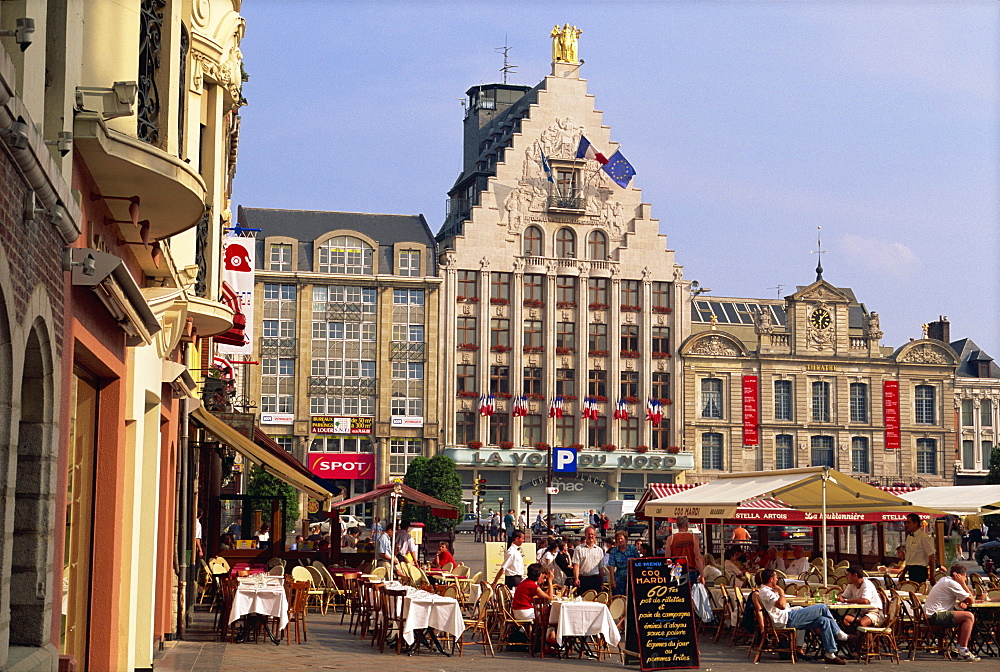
468,285
565,338
566,296
532,334
597,293
566,382
597,432
631,295
466,378
500,288
499,380
465,427
629,431
629,339
566,430
499,428
531,429
532,380
660,297
597,338
467,332
660,342
660,385
597,383
499,334
630,386
660,435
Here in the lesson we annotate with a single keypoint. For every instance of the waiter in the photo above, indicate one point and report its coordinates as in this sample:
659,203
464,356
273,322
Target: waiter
919,550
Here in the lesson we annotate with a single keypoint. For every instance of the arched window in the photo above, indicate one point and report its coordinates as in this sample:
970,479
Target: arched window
346,254
533,242
597,246
565,243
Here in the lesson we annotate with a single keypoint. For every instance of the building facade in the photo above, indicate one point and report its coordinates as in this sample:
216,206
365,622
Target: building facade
804,381
557,284
346,309
976,409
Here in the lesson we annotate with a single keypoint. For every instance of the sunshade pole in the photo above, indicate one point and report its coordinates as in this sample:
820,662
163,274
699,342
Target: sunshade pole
395,506
826,475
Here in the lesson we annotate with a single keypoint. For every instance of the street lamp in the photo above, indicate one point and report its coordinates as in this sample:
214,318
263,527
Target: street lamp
527,517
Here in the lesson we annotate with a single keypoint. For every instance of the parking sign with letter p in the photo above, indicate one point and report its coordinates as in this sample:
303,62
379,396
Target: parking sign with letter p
564,460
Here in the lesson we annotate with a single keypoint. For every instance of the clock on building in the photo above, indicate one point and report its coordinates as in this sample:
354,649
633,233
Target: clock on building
820,318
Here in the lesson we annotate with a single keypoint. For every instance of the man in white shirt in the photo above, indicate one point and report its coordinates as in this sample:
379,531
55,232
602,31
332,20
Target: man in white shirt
919,550
799,564
406,547
587,562
861,590
815,617
942,609
512,568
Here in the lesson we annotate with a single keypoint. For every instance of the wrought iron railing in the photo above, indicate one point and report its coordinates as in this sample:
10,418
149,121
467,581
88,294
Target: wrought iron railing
407,351
339,387
148,102
278,347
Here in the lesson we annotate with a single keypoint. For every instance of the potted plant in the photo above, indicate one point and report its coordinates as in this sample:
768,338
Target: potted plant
629,354
497,301
673,450
565,304
474,445
598,353
626,308
466,394
532,348
641,449
662,310
577,446
468,346
609,447
541,445
501,348
533,303
467,299
661,355
564,351
597,305
506,445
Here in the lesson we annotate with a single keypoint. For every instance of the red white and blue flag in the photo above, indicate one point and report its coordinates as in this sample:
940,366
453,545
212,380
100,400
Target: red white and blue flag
486,404
520,407
621,411
556,407
654,411
587,151
589,408
223,365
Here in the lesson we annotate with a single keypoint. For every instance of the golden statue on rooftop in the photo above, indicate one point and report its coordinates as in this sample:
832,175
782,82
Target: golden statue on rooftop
564,43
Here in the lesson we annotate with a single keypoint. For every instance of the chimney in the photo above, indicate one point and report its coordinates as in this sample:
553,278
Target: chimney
941,329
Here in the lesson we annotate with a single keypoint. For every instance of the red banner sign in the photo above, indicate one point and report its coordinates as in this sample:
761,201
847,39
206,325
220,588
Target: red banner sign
343,465
890,413
751,412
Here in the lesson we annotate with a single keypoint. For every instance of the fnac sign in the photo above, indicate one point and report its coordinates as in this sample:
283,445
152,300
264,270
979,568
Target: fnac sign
343,465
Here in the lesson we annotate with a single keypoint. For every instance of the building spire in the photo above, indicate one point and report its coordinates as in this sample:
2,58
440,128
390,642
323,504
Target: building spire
819,251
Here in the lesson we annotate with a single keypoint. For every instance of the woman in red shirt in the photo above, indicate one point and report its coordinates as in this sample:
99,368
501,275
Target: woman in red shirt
530,588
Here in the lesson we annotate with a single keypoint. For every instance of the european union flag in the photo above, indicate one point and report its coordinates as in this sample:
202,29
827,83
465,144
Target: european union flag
619,169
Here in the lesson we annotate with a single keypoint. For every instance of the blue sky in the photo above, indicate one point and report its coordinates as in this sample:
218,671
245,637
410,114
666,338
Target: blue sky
749,125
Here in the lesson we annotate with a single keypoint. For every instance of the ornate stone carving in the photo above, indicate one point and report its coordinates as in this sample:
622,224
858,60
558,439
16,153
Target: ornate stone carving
565,42
466,309
872,327
764,324
661,365
660,319
629,364
598,316
484,263
228,71
447,259
533,313
566,316
715,346
466,358
629,318
924,353
565,362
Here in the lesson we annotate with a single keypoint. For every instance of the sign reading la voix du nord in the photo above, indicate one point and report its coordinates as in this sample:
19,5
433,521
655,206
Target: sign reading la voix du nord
584,459
352,466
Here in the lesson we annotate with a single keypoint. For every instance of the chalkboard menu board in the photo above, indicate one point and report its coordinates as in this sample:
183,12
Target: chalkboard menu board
662,619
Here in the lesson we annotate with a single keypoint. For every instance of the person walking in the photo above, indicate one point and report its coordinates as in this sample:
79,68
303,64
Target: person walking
587,562
512,568
508,525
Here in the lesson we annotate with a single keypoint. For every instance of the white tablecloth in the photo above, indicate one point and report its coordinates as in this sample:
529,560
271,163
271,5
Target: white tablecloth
268,599
427,610
580,619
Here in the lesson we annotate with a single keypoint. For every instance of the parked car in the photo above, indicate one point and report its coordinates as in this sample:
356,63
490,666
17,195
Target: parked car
351,521
567,522
632,525
468,523
989,549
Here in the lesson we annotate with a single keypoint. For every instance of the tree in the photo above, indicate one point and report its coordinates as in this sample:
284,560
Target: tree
993,478
263,484
438,478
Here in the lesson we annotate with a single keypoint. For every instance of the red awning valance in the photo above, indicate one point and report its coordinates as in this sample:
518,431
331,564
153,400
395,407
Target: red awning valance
438,508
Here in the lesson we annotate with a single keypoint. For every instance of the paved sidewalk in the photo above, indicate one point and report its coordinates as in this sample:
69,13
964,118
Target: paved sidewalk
330,647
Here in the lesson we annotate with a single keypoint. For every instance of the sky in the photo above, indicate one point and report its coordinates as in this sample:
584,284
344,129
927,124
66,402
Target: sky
749,125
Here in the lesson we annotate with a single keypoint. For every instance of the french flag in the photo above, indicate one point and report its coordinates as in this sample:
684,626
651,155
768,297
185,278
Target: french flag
654,411
589,408
556,407
587,151
486,405
621,412
223,365
520,408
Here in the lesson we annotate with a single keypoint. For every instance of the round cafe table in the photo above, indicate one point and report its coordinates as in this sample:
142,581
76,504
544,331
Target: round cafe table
985,640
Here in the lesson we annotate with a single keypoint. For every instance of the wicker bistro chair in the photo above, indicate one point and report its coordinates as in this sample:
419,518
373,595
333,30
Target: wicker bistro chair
507,623
316,594
881,642
770,639
334,595
477,621
589,595
926,636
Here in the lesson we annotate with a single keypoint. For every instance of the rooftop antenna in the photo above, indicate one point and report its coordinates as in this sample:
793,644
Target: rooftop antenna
819,251
778,289
507,67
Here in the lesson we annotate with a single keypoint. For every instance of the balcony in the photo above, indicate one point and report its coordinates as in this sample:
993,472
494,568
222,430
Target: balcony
571,200
407,351
348,312
171,193
278,347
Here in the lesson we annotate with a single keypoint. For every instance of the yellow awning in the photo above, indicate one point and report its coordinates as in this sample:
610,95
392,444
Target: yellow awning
283,467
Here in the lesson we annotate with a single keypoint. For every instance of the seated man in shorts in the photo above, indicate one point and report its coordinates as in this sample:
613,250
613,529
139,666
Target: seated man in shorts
815,617
861,591
946,606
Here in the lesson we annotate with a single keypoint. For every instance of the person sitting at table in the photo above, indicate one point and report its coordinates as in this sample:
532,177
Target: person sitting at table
731,567
264,536
799,564
947,606
643,548
349,544
617,559
538,584
444,556
226,542
711,571
815,617
512,568
860,590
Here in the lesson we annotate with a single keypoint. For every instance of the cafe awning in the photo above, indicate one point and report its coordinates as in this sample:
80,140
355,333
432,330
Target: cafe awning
272,458
800,489
961,500
438,508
